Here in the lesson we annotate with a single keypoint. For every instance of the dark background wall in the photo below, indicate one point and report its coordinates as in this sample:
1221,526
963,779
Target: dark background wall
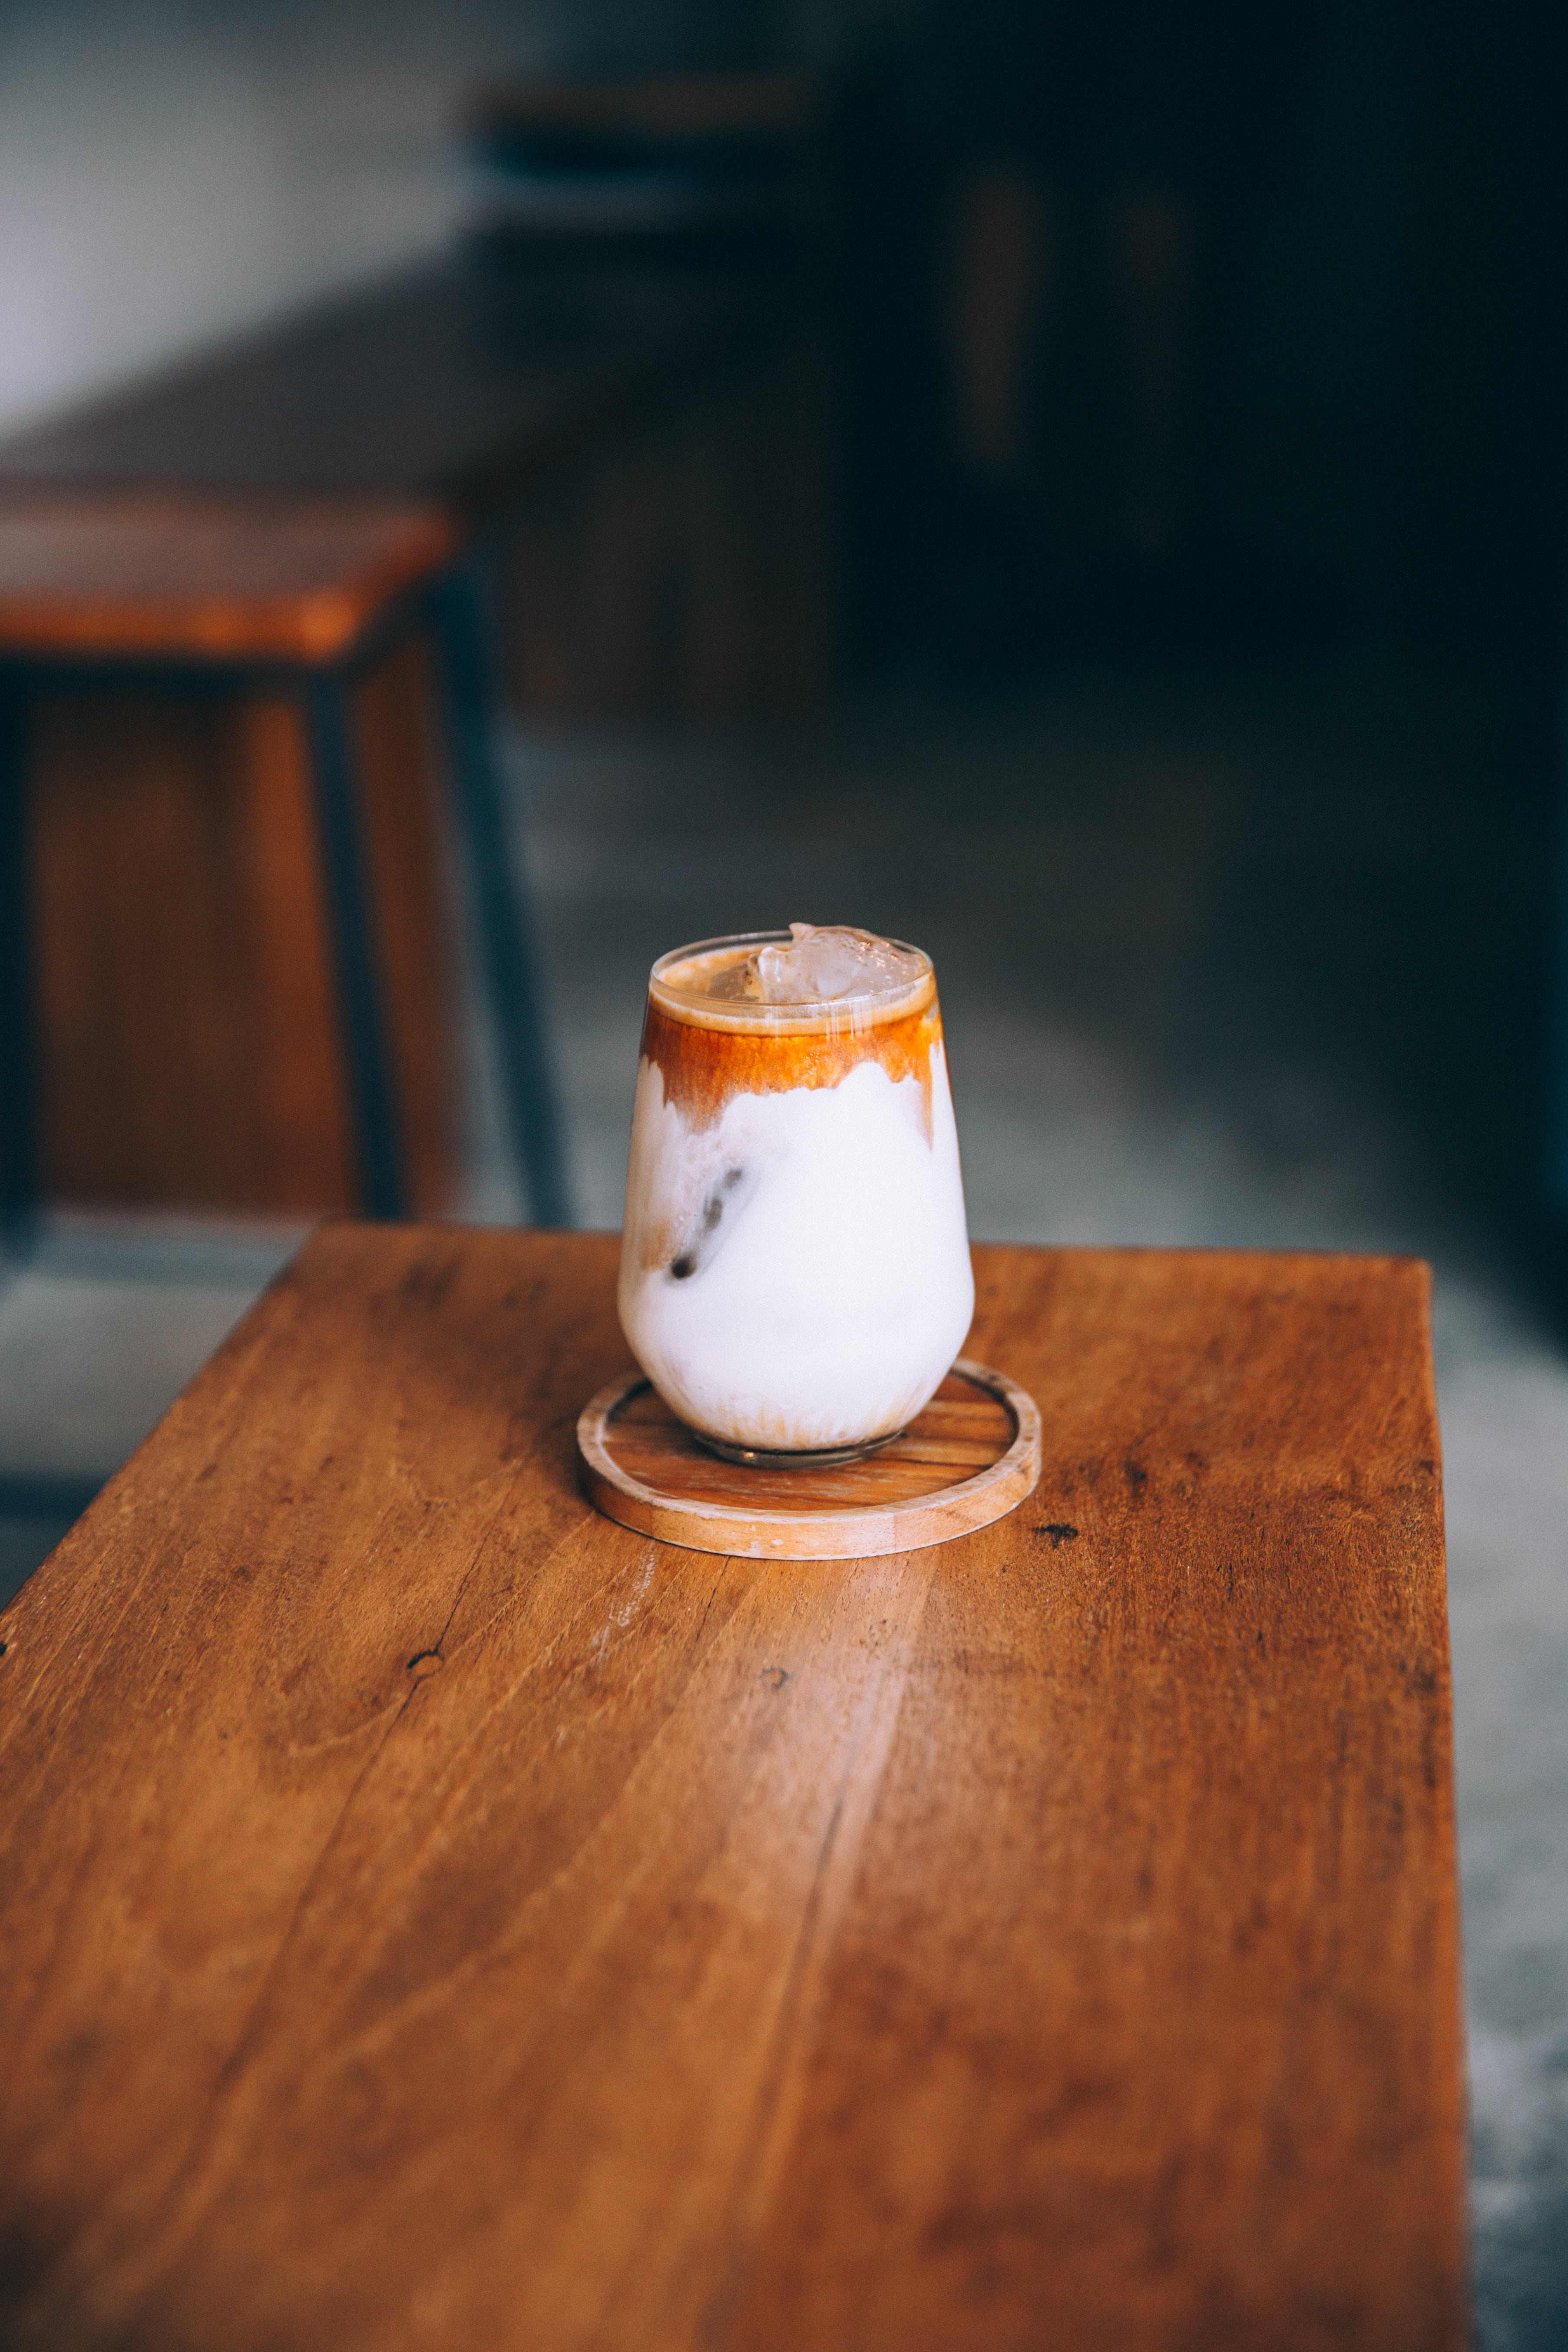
1385,253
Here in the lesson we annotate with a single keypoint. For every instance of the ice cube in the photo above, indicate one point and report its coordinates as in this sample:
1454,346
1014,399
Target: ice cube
822,964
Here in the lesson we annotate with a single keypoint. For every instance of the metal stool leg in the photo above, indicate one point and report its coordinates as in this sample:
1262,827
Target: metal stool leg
18,1045
504,927
360,997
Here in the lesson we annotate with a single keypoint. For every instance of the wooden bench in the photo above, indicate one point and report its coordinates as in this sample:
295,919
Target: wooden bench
436,1913
195,985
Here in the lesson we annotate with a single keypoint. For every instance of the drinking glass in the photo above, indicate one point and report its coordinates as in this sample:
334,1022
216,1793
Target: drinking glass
796,1277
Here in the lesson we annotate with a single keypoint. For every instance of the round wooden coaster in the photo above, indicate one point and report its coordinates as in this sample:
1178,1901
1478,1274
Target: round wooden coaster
969,1458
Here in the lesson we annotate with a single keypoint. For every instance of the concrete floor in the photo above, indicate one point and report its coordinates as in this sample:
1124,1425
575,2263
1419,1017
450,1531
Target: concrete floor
1247,954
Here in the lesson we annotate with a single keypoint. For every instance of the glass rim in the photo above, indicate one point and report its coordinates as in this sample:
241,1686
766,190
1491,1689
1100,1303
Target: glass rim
809,1011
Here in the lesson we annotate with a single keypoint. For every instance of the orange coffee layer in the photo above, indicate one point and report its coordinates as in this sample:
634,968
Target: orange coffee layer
703,1067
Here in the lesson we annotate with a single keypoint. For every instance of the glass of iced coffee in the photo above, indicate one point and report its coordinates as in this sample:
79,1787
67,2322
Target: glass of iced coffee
794,1273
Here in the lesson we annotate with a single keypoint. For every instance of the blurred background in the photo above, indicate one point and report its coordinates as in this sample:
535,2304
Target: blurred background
1081,487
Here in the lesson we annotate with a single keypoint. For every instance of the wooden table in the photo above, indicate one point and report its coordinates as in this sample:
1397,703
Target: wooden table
648,449
434,1916
458,378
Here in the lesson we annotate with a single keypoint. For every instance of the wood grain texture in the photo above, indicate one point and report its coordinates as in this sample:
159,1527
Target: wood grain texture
972,1455
187,1005
199,575
434,1916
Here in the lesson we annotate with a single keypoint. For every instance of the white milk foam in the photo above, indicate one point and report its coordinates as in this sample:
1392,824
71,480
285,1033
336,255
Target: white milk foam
825,1284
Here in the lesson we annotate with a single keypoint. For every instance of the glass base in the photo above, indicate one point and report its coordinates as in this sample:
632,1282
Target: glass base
822,1457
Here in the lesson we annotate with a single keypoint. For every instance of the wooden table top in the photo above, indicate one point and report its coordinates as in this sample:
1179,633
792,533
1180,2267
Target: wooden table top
432,1915
454,380
202,575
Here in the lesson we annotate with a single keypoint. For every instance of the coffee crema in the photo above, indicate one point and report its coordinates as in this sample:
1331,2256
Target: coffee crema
795,1271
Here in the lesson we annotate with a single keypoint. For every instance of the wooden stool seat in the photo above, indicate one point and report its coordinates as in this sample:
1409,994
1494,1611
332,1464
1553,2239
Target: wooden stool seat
252,598
201,577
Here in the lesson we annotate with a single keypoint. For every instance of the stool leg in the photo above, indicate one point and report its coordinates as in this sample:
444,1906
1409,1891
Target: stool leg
18,1040
348,906
504,927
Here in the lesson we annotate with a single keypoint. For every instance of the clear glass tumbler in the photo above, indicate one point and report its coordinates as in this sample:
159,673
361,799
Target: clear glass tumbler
796,1277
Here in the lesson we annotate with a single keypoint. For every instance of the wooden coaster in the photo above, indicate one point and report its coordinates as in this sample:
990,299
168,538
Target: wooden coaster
969,1458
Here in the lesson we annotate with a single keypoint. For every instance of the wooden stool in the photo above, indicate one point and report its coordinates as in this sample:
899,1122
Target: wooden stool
191,594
